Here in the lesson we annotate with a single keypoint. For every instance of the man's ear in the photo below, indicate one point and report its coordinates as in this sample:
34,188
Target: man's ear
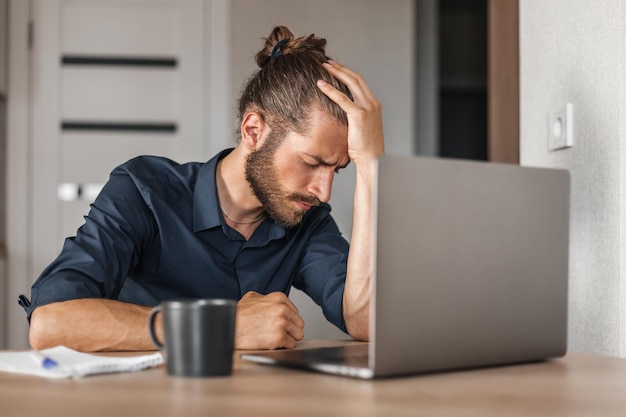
253,130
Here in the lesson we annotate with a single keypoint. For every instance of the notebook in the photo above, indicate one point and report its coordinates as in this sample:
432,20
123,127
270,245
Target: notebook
71,363
470,269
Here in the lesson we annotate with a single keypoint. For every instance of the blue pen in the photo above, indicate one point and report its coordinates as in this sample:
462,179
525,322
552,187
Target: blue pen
45,361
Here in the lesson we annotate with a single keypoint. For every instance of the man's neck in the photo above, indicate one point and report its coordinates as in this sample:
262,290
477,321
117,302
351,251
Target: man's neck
234,193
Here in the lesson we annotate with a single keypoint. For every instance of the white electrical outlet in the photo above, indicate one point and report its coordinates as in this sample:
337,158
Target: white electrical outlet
561,128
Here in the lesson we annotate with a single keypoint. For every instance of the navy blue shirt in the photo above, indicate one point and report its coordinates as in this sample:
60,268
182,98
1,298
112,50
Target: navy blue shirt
156,232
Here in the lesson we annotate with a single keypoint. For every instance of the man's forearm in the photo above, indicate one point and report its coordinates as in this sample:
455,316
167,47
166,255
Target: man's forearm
365,143
92,324
356,298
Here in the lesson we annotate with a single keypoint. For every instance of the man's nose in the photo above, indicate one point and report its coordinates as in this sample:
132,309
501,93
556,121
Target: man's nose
322,184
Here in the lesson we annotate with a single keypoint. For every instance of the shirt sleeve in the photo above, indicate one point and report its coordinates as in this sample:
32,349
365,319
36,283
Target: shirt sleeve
322,270
95,263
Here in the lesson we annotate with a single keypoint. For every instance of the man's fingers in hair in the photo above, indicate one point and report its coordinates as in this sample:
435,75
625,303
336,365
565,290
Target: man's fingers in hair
337,96
353,80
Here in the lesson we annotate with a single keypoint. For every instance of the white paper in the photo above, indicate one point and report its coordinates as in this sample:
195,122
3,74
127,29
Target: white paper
74,364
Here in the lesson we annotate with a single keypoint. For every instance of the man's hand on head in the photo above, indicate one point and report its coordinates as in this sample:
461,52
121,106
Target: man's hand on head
267,322
365,122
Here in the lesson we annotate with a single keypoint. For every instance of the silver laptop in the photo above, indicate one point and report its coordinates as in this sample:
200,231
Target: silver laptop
470,270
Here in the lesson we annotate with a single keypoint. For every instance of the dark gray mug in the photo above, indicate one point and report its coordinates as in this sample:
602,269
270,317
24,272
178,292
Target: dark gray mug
199,336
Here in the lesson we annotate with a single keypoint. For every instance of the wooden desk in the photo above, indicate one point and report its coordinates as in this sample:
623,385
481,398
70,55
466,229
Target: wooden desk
577,385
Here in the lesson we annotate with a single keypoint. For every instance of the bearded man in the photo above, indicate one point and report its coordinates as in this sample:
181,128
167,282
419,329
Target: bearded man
247,225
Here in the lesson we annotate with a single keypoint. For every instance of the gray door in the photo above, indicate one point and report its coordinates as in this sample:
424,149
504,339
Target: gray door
111,80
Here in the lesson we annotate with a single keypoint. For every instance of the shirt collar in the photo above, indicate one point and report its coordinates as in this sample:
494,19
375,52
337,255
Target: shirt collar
206,207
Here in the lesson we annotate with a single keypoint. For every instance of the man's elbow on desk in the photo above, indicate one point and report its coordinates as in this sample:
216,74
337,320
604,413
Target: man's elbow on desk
358,326
44,325
362,335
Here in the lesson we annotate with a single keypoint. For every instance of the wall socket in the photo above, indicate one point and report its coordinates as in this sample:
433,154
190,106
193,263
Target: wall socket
561,128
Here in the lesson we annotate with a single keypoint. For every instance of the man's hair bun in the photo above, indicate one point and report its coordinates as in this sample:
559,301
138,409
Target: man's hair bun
281,41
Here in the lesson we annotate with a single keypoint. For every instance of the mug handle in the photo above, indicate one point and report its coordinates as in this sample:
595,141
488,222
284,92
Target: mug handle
151,321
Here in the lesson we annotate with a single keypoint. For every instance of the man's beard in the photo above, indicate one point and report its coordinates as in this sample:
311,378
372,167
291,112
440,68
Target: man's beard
263,179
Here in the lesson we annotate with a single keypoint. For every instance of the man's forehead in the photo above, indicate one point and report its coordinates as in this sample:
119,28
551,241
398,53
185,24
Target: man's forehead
326,141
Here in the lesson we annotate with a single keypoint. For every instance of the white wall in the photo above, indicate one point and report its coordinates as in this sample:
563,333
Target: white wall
18,185
3,46
372,37
3,79
575,51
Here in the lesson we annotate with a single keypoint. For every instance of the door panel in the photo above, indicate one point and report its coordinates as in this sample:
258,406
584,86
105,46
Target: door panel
120,94
87,28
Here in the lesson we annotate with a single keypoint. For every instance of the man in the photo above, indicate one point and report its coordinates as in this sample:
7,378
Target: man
248,224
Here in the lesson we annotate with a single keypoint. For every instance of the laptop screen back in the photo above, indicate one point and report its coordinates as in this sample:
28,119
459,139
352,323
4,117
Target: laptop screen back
471,264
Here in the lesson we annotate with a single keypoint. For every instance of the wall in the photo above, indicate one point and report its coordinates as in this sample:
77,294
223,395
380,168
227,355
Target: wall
372,37
3,310
3,80
574,51
3,46
3,83
18,184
